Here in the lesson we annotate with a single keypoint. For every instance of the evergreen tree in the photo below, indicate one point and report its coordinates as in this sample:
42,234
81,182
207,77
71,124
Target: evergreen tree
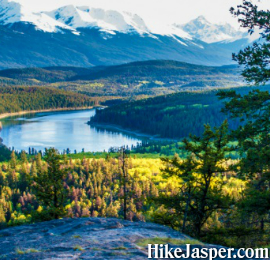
2,217
124,179
201,193
255,58
13,160
24,157
49,185
253,109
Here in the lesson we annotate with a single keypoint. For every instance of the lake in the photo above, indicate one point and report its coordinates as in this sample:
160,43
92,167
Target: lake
62,130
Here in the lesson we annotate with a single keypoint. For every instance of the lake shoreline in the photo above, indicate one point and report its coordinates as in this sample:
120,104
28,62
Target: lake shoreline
62,130
136,133
5,115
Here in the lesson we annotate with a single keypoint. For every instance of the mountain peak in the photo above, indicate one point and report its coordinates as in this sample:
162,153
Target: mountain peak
203,30
13,12
10,12
106,20
72,18
201,18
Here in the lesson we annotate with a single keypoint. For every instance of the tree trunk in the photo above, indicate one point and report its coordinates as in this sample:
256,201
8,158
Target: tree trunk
125,187
262,224
186,213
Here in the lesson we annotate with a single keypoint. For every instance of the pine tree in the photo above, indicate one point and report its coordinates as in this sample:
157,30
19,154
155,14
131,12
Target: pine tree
255,58
2,216
124,179
13,160
201,192
49,185
24,157
253,109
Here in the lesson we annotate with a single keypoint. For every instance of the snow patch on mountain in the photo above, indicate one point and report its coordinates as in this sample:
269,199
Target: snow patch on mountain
11,12
109,22
203,30
105,20
170,30
72,18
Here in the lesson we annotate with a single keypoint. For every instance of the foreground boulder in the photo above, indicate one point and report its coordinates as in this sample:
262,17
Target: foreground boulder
85,238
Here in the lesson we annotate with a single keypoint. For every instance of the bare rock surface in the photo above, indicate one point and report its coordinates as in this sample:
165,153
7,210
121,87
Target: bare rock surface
84,238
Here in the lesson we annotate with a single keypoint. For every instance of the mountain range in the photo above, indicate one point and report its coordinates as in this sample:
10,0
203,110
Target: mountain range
84,36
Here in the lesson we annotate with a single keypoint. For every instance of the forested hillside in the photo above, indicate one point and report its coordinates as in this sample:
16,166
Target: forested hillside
48,74
15,99
172,116
137,79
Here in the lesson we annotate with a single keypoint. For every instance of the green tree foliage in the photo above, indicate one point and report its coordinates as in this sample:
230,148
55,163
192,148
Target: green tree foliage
201,191
253,145
171,116
2,217
253,109
5,153
24,157
49,185
255,58
13,160
15,99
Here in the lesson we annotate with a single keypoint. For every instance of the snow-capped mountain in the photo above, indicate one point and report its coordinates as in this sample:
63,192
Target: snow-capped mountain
203,30
12,12
109,21
85,36
73,17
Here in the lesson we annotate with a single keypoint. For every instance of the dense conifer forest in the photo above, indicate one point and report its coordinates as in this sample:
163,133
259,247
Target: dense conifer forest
15,99
172,116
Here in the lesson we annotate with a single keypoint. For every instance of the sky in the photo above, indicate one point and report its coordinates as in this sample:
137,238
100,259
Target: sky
156,11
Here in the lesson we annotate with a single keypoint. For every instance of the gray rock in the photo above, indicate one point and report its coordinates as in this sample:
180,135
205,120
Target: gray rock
84,238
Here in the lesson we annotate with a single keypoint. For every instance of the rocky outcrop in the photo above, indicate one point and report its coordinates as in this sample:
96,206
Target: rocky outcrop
85,238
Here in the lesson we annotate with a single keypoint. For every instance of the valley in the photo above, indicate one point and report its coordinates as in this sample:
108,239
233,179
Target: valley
153,123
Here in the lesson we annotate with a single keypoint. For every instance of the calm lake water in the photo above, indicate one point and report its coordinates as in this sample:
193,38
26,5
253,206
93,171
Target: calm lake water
61,130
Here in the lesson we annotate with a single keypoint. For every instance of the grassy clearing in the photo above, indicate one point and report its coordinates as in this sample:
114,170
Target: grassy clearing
165,240
118,254
120,248
78,248
20,252
28,251
32,250
77,236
